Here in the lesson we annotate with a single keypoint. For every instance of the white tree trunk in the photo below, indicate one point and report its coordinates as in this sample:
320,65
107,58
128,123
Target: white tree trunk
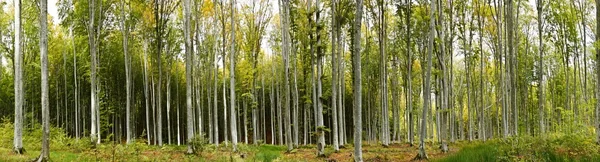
18,81
357,101
232,81
188,74
427,85
45,153
93,87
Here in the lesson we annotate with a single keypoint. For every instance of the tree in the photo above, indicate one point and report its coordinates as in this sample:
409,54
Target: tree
188,74
381,26
334,76
18,79
232,81
357,101
427,83
45,153
597,75
541,90
319,113
285,7
125,32
94,134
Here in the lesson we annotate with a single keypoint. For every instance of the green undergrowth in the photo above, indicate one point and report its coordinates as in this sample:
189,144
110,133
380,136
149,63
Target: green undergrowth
65,148
556,147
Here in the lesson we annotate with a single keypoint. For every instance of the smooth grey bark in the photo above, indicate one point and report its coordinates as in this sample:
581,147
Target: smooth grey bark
272,103
169,106
232,81
188,74
245,121
286,54
125,32
279,116
75,80
178,119
18,82
409,91
511,56
427,83
92,43
597,74
334,75
45,153
319,113
385,131
146,94
481,111
357,101
541,98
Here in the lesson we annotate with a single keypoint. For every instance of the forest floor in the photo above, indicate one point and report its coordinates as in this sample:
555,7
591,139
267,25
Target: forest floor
526,148
137,152
580,145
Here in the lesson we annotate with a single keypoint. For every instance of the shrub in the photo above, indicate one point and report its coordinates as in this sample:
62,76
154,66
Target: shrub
198,143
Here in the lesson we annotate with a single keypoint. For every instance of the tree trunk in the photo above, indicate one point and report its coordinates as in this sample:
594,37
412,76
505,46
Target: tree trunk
409,95
18,81
597,75
427,84
188,75
232,81
383,74
45,153
334,79
92,44
125,33
541,98
357,82
319,112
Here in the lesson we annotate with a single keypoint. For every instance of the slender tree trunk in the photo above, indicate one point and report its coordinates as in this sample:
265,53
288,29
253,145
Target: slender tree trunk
146,94
45,153
319,113
541,98
598,75
92,44
427,83
383,74
169,107
18,82
334,79
356,61
409,95
232,81
272,103
125,33
178,123
188,75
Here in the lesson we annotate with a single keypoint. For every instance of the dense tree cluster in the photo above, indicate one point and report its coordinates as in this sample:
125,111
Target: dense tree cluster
324,72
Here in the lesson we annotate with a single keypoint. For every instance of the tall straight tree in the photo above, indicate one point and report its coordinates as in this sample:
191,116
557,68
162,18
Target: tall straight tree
188,73
357,101
597,74
18,79
409,106
427,83
319,113
94,99
334,76
541,97
45,153
125,32
285,4
385,132
162,12
232,81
